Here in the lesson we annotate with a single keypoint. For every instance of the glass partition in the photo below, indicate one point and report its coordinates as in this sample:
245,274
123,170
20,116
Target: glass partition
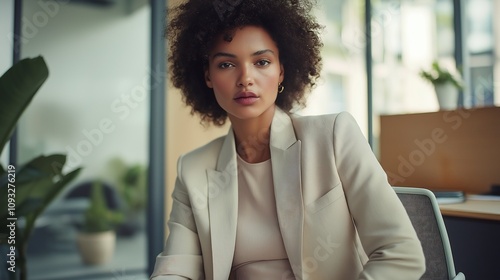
409,35
94,107
479,52
342,86
6,27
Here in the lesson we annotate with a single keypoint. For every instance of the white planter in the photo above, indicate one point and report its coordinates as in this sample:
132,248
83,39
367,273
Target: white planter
96,248
447,95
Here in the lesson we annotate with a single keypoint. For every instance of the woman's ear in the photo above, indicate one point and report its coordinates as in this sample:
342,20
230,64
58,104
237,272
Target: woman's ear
207,79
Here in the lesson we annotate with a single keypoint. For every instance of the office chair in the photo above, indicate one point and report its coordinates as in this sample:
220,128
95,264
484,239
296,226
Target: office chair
423,209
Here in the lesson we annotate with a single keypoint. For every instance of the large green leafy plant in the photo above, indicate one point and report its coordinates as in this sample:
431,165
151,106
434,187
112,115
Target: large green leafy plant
26,190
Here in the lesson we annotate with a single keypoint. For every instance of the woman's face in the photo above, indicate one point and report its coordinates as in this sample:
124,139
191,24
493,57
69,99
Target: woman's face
244,73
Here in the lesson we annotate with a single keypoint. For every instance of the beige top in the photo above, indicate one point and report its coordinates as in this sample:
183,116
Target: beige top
259,251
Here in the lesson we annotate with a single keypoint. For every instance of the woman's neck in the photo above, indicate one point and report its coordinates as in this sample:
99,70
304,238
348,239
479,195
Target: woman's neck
252,137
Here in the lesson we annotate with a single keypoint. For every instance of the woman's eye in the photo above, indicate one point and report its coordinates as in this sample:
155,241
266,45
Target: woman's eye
225,65
263,62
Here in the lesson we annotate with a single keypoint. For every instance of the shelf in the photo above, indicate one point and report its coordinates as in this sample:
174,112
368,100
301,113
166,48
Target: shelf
53,255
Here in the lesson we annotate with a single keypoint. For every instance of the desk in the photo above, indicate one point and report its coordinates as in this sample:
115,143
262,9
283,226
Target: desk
477,209
474,229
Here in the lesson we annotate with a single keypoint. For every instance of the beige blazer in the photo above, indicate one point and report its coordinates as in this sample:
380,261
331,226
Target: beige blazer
338,216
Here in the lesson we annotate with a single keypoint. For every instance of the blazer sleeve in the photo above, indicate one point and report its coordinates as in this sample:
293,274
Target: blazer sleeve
384,228
181,258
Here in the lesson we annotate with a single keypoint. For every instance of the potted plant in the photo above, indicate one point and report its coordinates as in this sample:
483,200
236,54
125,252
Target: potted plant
130,182
446,84
25,190
97,238
133,187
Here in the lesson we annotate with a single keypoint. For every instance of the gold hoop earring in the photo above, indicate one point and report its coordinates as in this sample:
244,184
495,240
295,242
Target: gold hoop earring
280,88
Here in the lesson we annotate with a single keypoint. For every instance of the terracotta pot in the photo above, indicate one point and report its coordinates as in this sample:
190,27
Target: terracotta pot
96,248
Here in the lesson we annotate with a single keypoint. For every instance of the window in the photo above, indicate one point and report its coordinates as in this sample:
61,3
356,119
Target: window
94,108
408,35
479,52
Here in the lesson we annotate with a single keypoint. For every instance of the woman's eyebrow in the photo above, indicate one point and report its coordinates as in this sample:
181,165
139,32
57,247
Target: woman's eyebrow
262,52
224,54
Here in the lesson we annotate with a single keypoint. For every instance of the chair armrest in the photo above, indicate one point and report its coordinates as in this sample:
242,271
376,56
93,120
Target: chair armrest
459,276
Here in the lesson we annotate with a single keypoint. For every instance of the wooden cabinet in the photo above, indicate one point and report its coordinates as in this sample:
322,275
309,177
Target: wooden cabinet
457,149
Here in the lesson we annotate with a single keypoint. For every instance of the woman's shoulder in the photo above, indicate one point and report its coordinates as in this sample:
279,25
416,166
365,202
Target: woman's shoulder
325,121
212,146
201,155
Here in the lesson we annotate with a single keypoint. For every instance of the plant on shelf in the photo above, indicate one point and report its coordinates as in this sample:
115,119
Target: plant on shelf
134,187
446,84
25,190
130,182
439,75
96,241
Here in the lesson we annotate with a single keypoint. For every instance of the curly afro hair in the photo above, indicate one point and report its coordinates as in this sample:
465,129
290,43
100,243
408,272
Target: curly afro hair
194,25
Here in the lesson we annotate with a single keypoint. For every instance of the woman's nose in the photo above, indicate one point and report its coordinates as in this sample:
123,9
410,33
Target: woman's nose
246,77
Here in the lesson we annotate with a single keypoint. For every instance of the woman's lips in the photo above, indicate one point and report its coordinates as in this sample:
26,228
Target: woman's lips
246,98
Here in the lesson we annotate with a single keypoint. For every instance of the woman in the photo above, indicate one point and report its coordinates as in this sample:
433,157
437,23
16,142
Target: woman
280,196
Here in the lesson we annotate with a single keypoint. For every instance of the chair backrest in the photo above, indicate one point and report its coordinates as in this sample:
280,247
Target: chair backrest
424,213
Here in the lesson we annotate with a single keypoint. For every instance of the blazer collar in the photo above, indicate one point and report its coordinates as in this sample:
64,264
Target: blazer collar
223,196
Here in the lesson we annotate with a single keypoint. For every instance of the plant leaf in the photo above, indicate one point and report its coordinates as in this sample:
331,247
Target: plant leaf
3,238
47,198
4,208
29,205
37,184
34,189
17,87
51,164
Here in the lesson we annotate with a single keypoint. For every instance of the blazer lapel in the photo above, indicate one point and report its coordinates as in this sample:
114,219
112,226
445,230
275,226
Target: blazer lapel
285,160
223,208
